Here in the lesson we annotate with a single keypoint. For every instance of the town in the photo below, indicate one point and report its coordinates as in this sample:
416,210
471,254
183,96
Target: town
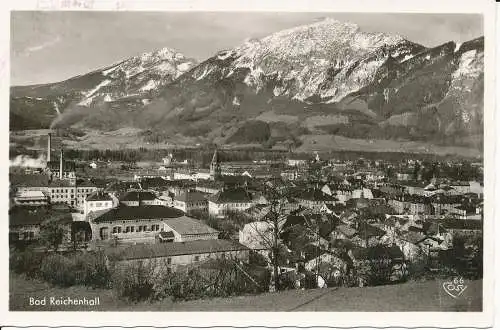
245,226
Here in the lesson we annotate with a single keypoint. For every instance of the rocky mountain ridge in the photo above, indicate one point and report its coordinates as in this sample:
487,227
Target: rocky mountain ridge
326,78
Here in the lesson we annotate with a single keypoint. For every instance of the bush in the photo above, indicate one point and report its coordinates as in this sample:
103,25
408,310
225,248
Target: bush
25,262
217,278
134,282
87,269
92,270
59,270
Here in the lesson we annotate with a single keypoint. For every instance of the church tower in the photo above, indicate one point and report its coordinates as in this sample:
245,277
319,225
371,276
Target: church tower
215,171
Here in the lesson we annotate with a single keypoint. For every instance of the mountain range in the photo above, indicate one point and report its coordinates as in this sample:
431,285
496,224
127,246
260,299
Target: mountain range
324,79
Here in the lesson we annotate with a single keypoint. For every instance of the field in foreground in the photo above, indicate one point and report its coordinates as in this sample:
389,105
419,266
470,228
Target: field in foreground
411,296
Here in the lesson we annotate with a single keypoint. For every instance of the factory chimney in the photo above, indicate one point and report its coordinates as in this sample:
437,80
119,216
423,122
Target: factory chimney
49,147
61,165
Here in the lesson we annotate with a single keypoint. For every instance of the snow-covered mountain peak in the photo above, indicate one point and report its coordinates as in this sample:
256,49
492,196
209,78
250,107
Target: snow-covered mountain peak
140,74
329,37
310,59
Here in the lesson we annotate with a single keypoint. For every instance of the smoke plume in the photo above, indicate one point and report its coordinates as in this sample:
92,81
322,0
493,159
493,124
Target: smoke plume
27,161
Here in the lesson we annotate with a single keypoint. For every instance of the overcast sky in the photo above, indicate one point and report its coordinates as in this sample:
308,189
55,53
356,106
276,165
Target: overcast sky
53,46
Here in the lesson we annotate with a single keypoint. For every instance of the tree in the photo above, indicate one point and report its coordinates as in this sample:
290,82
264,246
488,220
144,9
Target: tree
269,229
52,234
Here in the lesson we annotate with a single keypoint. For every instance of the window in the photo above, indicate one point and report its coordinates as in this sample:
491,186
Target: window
127,229
169,261
132,229
139,228
196,258
98,204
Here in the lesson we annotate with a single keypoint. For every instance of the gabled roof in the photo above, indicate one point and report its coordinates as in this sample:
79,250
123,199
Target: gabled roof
232,195
138,196
191,196
143,212
188,226
378,252
61,183
98,196
346,230
150,183
413,237
315,194
366,231
146,251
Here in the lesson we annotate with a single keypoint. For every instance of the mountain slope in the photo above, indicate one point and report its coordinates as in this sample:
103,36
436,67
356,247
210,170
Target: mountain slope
327,78
137,77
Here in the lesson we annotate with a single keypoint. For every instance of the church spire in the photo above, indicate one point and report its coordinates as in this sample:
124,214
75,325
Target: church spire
215,170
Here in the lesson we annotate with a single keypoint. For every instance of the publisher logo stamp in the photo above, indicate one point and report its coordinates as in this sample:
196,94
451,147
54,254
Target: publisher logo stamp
455,287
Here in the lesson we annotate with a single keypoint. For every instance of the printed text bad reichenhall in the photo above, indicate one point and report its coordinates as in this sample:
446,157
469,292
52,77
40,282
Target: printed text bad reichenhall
64,301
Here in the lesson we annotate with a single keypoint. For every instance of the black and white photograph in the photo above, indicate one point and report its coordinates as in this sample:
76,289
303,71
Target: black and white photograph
211,161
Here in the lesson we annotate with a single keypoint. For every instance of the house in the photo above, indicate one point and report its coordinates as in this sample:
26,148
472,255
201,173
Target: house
30,197
411,204
416,188
83,189
476,188
25,222
343,231
185,229
390,256
443,204
404,176
362,193
464,228
190,201
335,209
368,235
133,223
344,193
297,162
156,184
461,187
120,187
290,175
314,198
326,258
328,190
29,182
97,202
233,199
63,191
209,187
138,198
257,235
409,245
168,256
178,187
